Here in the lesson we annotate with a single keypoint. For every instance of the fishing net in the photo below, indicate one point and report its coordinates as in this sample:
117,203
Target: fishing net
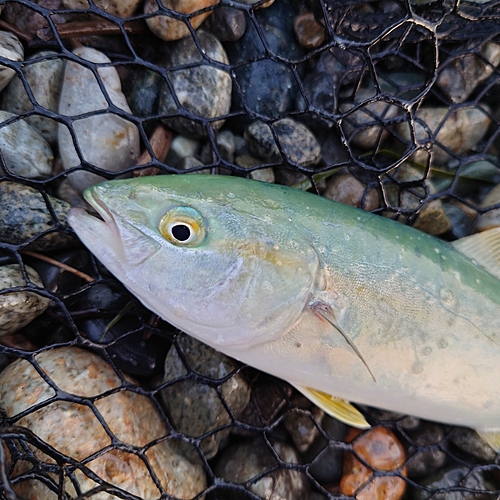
387,105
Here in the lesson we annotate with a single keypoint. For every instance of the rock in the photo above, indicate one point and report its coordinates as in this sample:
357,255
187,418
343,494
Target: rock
469,441
243,461
202,90
28,19
345,188
169,28
309,32
105,139
460,477
24,215
225,148
459,76
190,162
120,8
380,448
44,76
261,174
296,144
142,92
180,148
12,49
491,218
25,151
195,408
226,23
74,430
457,131
17,309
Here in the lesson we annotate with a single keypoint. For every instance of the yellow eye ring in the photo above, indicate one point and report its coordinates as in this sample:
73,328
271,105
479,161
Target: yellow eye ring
182,226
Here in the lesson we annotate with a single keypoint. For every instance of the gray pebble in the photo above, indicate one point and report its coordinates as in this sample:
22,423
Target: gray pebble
243,461
106,140
225,148
295,140
190,162
194,407
12,49
24,215
469,441
180,148
17,309
44,78
226,23
24,149
202,90
491,218
261,174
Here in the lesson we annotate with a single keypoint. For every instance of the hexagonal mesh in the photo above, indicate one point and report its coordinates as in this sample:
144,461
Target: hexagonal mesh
387,105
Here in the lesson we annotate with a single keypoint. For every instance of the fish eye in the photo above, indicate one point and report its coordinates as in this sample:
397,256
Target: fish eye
182,226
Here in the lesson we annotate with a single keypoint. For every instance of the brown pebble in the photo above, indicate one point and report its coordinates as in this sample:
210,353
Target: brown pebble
308,31
380,448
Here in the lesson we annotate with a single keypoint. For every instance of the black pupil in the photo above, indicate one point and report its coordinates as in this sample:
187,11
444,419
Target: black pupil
181,232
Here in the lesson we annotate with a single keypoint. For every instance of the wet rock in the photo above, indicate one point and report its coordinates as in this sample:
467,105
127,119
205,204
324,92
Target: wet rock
127,340
308,31
459,76
195,408
461,218
243,461
226,23
294,142
190,162
203,90
169,28
469,441
225,148
17,309
491,218
29,20
24,215
262,174
74,430
105,140
425,456
120,8
440,486
380,448
180,148
457,131
44,76
12,49
142,92
345,188
25,151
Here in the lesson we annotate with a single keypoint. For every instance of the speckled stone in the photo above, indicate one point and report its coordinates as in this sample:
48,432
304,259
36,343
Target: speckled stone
458,131
74,430
203,90
381,449
226,23
106,140
345,188
459,76
120,8
195,408
243,461
296,142
12,49
24,215
44,76
17,309
25,151
169,28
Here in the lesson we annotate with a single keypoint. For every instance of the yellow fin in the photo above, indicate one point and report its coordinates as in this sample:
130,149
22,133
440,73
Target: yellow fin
484,248
335,407
492,438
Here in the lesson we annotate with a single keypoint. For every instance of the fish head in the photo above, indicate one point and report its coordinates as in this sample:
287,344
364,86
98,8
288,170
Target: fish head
209,254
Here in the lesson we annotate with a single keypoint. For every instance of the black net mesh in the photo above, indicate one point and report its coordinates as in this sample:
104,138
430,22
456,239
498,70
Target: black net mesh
387,105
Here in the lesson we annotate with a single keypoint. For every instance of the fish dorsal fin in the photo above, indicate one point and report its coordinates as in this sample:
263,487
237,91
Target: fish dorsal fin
484,248
492,438
335,407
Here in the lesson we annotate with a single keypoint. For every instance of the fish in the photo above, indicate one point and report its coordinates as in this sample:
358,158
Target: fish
345,305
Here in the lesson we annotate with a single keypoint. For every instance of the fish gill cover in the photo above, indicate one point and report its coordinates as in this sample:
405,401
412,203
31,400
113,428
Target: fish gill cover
391,106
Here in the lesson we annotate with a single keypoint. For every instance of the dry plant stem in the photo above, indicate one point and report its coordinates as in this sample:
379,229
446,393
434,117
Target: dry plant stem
91,28
160,142
19,33
58,264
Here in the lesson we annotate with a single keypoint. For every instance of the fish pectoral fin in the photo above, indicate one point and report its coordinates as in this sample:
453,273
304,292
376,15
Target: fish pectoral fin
484,248
492,438
335,407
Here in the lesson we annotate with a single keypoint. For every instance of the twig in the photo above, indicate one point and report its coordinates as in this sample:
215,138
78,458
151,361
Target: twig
160,142
58,264
22,35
